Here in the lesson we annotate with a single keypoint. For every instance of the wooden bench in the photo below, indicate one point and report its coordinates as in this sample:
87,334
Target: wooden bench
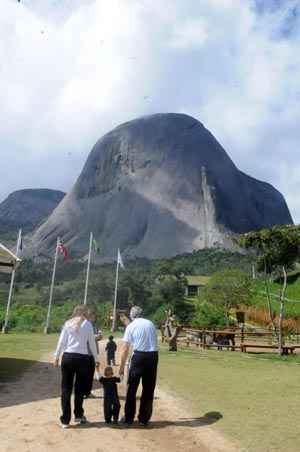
286,348
221,346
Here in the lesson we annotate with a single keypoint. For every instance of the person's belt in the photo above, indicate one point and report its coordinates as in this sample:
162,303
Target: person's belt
146,353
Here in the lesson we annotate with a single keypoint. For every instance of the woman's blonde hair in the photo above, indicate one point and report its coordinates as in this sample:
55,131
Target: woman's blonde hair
81,310
80,314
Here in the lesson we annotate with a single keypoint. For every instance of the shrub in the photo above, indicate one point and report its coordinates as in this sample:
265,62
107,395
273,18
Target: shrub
208,315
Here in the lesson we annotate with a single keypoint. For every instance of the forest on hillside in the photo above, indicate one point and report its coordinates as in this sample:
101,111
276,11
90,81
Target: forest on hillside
154,284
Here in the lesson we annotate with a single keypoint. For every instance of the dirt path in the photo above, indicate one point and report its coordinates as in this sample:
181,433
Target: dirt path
29,422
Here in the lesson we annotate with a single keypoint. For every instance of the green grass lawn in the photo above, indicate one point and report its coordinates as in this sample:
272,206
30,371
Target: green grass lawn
18,351
258,396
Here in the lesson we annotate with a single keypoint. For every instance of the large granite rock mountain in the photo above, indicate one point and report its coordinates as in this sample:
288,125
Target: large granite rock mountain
158,186
27,209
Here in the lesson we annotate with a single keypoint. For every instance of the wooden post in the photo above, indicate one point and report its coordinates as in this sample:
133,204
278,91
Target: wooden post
242,334
281,313
10,294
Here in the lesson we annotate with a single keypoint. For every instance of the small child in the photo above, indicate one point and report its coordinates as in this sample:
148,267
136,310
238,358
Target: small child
111,348
111,398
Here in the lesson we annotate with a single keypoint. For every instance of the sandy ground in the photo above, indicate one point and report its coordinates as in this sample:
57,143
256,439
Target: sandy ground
29,411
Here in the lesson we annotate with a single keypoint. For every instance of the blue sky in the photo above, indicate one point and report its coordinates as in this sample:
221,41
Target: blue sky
73,69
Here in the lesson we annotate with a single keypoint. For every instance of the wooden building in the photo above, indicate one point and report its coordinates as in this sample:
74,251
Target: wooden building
194,284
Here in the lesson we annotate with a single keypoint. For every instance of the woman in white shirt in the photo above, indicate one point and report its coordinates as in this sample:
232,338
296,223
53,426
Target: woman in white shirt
76,336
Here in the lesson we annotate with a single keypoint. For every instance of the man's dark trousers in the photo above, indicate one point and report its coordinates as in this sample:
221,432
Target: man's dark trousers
143,367
111,408
73,365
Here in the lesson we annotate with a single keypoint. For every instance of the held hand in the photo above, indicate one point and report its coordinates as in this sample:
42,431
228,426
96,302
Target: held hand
55,363
121,371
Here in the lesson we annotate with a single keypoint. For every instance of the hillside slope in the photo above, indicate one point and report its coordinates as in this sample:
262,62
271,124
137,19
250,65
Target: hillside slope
27,209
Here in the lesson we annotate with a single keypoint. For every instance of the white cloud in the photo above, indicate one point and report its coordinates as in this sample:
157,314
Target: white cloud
71,70
192,34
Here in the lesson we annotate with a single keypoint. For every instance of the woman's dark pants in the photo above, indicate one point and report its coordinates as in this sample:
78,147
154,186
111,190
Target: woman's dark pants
73,366
143,367
90,380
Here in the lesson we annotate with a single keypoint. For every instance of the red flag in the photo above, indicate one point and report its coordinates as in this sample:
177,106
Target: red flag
62,249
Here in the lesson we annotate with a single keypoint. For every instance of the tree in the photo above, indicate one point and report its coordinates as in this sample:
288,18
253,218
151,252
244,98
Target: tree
228,289
136,284
277,250
208,315
168,291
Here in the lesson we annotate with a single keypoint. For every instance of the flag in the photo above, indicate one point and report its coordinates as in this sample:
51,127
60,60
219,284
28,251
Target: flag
62,249
96,246
120,260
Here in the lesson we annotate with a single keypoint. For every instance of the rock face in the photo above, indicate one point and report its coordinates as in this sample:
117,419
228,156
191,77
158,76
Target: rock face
158,186
27,209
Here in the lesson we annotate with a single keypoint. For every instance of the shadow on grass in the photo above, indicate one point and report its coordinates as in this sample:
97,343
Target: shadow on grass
194,422
14,391
12,368
206,419
120,396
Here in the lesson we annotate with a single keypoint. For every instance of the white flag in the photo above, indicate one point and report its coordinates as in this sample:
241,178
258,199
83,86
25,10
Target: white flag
120,260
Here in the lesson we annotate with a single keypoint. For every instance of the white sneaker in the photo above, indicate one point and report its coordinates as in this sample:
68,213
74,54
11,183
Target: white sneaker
64,426
91,396
80,420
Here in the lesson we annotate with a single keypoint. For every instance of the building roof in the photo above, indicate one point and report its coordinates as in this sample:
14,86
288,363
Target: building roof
197,280
8,261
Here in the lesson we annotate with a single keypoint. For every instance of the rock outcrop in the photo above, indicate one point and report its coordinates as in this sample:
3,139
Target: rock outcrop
158,186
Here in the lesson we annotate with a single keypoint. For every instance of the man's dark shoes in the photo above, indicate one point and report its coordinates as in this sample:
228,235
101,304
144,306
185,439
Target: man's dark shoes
143,424
125,422
81,420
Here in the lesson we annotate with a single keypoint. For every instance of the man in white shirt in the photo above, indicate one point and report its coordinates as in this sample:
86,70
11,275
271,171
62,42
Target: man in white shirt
141,335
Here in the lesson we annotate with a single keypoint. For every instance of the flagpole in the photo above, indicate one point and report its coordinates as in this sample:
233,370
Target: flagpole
88,270
46,329
5,326
113,327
